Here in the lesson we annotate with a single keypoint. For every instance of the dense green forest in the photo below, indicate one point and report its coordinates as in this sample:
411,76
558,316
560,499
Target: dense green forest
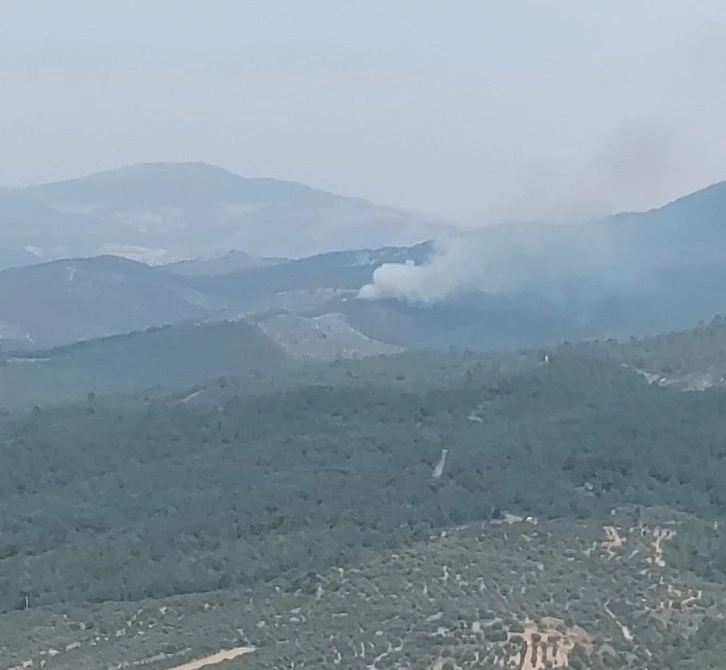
680,352
155,360
158,361
111,500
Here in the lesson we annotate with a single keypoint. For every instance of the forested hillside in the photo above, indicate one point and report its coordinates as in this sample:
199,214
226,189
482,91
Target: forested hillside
158,500
425,369
172,359
277,482
157,360
512,594
694,358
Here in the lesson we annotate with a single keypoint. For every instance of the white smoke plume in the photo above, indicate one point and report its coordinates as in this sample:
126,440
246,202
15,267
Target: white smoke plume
667,148
637,159
449,269
505,258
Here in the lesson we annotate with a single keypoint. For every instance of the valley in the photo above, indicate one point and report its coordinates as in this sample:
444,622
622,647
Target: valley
512,595
357,336
574,521
661,272
245,460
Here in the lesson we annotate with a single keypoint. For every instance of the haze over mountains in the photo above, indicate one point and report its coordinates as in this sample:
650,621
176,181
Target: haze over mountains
165,212
271,438
516,285
433,379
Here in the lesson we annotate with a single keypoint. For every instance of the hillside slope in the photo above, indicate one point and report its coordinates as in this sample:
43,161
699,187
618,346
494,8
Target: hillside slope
633,274
165,359
516,595
174,211
419,510
64,301
689,230
531,284
265,488
288,348
76,299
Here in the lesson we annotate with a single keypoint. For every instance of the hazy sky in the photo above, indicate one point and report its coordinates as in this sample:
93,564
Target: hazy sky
508,108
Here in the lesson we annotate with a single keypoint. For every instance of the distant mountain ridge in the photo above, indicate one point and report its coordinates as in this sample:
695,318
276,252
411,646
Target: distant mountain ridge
165,212
64,301
75,299
691,228
157,184
234,261
633,273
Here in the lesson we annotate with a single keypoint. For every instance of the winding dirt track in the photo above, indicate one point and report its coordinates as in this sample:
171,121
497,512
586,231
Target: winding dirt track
229,655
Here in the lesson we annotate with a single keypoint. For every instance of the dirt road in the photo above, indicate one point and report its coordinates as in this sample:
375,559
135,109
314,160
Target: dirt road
216,658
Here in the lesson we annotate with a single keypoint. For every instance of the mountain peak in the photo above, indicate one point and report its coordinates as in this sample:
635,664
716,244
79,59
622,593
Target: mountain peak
162,169
171,211
168,183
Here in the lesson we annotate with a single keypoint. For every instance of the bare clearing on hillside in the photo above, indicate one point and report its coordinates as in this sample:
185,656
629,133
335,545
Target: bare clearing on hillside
547,644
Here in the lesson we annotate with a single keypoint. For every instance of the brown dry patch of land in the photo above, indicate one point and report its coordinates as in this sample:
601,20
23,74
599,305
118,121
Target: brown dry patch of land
613,540
660,535
547,644
650,541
